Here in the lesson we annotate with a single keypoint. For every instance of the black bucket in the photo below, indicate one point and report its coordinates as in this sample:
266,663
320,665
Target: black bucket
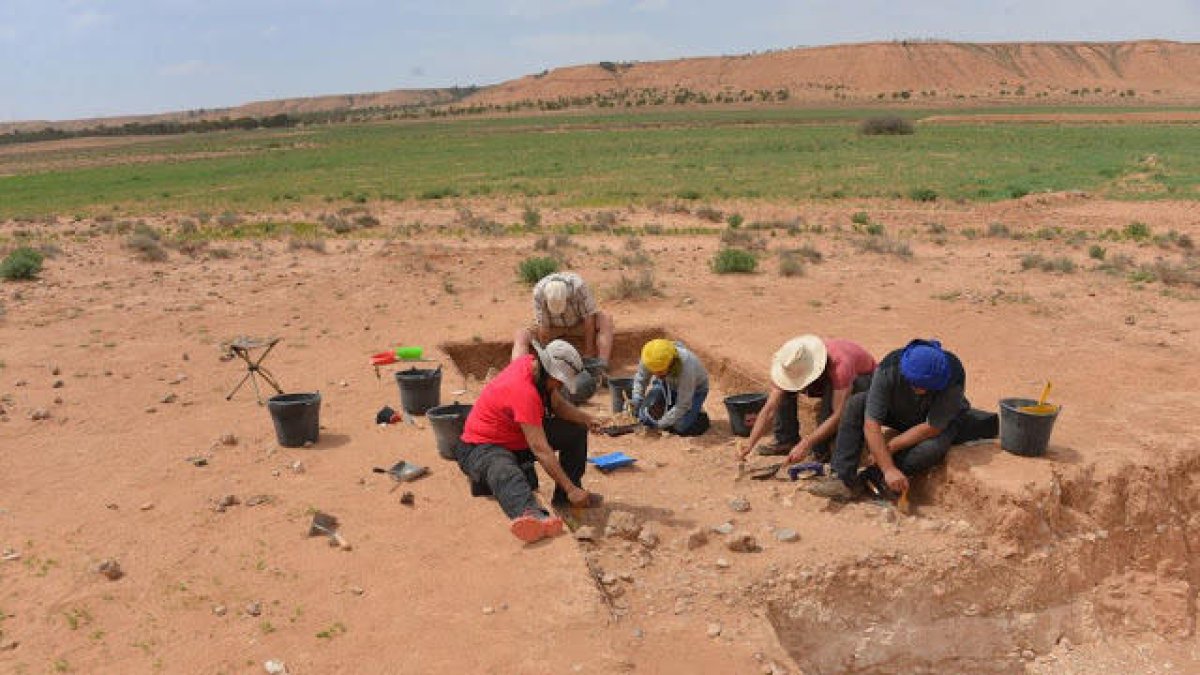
743,411
420,389
447,422
1025,433
620,388
296,417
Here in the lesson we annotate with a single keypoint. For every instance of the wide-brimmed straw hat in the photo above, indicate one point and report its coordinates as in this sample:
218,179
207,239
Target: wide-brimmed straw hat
561,361
799,362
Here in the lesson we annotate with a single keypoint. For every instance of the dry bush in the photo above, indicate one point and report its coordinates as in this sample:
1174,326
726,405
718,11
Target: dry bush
710,214
885,245
743,239
147,247
790,264
641,287
315,244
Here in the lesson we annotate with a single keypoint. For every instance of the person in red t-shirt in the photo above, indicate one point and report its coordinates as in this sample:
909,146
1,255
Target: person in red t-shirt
826,368
521,416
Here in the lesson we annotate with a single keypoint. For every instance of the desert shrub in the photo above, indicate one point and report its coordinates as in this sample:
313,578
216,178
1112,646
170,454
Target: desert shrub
1061,265
885,246
188,247
743,239
49,250
1185,242
440,192
875,229
790,264
229,219
808,254
633,244
479,224
860,218
366,221
735,220
531,217
23,263
336,223
1116,263
1096,252
635,288
734,261
710,214
146,247
1016,191
220,253
316,244
1173,274
935,228
1137,231
690,195
923,195
889,125
998,230
531,270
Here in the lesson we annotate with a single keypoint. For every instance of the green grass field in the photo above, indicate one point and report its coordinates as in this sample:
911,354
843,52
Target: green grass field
594,160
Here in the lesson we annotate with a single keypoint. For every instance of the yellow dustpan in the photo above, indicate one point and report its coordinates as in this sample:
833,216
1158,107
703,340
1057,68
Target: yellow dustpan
1041,408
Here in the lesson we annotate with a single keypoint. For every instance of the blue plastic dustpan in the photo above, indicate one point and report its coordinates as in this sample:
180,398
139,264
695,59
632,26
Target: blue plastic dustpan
613,460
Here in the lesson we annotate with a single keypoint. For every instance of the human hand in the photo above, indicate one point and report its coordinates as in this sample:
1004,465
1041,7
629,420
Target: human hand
579,497
594,424
895,479
799,452
741,450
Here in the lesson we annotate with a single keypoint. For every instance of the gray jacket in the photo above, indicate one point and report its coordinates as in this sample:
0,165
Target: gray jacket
686,376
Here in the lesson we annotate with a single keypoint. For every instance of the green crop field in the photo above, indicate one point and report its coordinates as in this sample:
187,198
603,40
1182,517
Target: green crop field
593,160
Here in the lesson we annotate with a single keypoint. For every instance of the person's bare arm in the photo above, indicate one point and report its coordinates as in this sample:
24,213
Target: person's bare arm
589,335
825,430
895,478
913,436
765,417
536,437
562,408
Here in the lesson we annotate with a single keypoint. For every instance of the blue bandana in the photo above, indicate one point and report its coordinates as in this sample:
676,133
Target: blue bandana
924,365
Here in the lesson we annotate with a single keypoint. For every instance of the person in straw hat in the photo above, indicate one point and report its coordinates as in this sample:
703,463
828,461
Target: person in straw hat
670,388
519,417
565,308
829,369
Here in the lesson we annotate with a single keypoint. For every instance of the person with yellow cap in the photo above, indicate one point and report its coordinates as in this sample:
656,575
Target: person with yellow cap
565,308
670,388
828,369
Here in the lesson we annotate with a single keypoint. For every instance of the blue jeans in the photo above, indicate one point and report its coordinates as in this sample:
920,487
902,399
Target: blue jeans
657,397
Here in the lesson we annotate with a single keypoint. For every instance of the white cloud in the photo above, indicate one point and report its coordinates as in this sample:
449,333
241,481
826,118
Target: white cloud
184,68
536,9
651,5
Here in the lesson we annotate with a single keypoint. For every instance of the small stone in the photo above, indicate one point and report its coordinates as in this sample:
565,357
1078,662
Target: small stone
623,524
1028,655
275,472
55,370
151,409
742,543
297,467
253,609
58,384
638,633
57,401
111,506
787,535
408,498
39,414
608,579
274,666
110,568
226,502
146,506
585,533
696,538
9,645
255,500
169,398
714,630
343,383
228,439
356,590
722,564
10,555
648,536
488,611
723,528
739,504
219,610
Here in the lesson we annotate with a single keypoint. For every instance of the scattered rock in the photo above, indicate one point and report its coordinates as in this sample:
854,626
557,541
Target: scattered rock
9,645
197,460
226,502
151,409
110,568
253,609
273,666
623,524
608,579
169,398
488,611
714,630
228,438
585,533
722,564
219,610
696,538
724,528
787,535
648,536
408,498
255,500
55,370
742,543
146,506
638,633
58,384
10,555
39,414
356,590
739,504
297,467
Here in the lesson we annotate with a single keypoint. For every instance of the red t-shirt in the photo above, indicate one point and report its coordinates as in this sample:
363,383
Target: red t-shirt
507,402
847,360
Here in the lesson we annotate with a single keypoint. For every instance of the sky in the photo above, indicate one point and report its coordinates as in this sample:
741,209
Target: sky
66,59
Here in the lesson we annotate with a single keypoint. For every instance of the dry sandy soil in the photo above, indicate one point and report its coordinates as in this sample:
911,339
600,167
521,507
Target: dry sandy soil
1080,562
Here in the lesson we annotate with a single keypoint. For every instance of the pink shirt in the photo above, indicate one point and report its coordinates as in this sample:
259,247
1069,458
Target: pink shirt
507,402
847,360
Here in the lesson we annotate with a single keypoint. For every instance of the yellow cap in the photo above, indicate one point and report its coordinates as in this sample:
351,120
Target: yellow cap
657,355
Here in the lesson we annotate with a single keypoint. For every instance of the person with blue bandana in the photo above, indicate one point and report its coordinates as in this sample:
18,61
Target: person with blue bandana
919,393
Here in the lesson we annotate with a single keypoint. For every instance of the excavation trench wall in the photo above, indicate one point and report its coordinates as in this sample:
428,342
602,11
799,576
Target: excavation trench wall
1080,559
